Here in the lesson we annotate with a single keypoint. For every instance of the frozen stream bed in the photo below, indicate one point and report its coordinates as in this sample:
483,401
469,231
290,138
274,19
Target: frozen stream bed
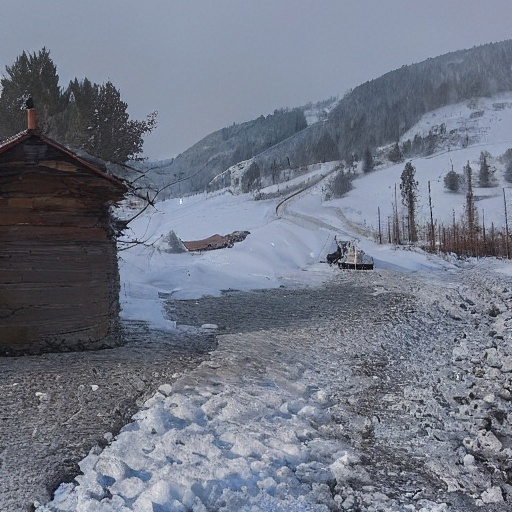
376,391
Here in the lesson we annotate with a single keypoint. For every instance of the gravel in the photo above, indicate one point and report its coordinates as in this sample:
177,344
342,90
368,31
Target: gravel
418,370
56,407
415,370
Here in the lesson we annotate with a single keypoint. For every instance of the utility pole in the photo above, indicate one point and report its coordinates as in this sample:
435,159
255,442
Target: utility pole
397,222
432,232
380,232
506,224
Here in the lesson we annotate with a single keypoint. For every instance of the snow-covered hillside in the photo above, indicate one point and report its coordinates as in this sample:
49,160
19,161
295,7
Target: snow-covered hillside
487,124
483,120
319,111
249,430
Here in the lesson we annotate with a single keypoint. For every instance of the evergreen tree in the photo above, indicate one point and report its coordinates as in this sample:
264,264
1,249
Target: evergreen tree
508,173
395,155
32,75
368,165
409,191
113,136
484,176
340,184
83,97
274,172
453,181
72,124
506,160
85,116
406,148
471,215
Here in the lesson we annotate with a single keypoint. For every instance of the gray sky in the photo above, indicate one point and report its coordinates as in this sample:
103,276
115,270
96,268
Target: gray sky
204,64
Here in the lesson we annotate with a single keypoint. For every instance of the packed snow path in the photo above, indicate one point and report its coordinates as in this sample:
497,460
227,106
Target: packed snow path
377,391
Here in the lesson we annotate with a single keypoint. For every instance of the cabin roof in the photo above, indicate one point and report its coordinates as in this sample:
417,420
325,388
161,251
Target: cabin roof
27,134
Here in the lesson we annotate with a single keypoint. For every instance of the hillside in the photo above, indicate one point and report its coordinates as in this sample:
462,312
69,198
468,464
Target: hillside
382,110
376,113
223,148
482,125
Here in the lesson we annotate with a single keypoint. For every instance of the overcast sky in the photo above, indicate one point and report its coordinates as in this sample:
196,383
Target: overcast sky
204,64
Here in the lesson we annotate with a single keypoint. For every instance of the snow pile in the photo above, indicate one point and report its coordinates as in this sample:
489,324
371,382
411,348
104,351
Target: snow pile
170,243
275,250
210,449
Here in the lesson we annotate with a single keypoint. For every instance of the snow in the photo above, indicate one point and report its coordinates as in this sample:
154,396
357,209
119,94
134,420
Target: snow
217,439
274,251
491,131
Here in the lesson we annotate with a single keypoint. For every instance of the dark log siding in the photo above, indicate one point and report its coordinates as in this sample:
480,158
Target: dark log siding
59,281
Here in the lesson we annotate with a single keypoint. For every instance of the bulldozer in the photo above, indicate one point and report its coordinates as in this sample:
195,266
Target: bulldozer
348,256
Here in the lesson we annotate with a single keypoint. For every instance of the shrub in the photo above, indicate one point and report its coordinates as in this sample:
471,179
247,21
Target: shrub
340,185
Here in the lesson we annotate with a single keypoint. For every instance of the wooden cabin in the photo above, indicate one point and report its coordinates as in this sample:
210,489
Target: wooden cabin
59,279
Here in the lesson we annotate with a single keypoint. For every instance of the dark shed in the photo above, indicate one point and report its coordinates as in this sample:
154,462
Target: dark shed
59,279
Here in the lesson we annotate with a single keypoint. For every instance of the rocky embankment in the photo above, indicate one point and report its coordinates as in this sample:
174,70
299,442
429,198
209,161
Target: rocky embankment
468,395
418,371
435,420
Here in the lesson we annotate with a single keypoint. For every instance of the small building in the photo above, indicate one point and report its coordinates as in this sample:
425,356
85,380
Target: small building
59,278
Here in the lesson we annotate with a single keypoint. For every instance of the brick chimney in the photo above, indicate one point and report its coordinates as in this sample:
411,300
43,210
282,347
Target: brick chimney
31,119
31,114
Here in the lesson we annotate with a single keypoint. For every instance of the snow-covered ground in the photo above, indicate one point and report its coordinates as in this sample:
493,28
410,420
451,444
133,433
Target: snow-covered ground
244,431
279,249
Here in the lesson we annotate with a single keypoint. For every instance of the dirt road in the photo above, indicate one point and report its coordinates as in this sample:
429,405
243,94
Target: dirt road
417,371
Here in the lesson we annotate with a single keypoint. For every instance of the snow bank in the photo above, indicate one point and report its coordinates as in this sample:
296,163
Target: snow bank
274,251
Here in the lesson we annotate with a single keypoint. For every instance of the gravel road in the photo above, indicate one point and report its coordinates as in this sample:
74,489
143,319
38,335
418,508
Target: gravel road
418,371
56,407
418,368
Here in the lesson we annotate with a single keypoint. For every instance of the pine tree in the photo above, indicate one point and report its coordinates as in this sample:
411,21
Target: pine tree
32,75
409,191
71,126
508,173
340,184
484,176
368,165
406,148
113,136
84,116
83,96
453,181
395,154
471,215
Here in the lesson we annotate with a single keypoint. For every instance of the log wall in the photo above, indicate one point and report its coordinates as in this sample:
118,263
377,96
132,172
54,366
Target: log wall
59,280
57,295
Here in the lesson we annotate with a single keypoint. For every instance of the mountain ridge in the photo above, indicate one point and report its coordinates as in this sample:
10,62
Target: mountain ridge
375,113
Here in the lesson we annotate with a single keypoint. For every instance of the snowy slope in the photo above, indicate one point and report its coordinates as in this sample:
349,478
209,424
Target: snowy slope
279,249
484,120
488,124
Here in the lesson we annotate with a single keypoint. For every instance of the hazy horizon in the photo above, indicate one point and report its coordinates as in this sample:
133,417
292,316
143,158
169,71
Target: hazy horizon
204,65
